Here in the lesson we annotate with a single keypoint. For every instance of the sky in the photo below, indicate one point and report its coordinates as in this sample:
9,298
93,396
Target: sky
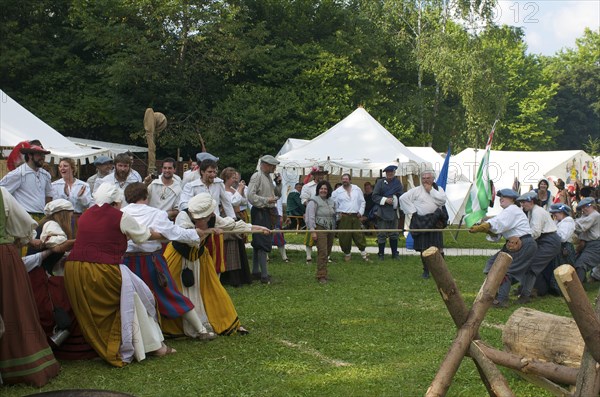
549,25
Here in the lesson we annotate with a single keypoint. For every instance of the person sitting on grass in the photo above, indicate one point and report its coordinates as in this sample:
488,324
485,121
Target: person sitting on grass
512,224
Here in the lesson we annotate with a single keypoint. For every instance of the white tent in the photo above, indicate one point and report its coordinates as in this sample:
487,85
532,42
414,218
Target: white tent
114,148
358,144
17,124
527,167
292,144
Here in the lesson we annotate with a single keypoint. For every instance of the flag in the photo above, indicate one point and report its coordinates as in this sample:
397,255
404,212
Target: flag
442,179
481,194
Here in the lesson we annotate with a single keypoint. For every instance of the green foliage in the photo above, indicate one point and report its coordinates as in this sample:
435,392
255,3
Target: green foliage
248,74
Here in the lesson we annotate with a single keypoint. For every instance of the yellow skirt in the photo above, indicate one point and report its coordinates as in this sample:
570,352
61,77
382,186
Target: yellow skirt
216,301
95,293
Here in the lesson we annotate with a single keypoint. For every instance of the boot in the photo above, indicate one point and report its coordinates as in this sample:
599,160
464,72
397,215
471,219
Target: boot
381,251
394,247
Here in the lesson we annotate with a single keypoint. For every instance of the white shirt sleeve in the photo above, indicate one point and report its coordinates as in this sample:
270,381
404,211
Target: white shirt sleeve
52,234
133,230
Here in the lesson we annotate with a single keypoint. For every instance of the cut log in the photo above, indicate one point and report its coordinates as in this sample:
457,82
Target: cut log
543,336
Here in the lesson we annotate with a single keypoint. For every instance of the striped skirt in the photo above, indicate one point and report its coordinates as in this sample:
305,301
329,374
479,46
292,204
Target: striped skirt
152,268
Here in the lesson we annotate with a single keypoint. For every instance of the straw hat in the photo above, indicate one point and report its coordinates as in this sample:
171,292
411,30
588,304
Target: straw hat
154,122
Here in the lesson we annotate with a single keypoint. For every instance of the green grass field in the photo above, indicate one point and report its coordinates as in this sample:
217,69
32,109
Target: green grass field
377,329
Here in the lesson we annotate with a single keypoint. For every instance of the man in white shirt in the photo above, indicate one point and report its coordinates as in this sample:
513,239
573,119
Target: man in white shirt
350,205
29,183
164,192
208,183
194,173
104,166
123,175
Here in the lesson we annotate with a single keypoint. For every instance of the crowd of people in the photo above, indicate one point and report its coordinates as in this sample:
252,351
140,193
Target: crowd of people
110,266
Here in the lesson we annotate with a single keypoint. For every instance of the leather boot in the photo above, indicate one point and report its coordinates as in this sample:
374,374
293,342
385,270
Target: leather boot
394,247
381,251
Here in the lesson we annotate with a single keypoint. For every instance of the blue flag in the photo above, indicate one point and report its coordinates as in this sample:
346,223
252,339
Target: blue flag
443,176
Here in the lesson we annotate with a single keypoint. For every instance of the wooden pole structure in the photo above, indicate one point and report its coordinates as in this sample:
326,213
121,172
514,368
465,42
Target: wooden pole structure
154,123
554,372
580,307
492,378
441,383
588,379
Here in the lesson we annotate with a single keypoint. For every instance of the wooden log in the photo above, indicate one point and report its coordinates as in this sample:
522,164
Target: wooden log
554,372
491,376
440,384
545,384
544,336
580,307
588,378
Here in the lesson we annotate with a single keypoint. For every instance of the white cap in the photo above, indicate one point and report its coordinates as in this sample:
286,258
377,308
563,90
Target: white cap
57,205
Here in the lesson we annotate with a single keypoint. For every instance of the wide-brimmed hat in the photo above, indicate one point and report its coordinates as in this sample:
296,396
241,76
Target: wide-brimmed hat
318,170
107,193
34,149
205,156
390,168
529,196
509,193
154,122
585,202
267,158
102,160
560,207
57,205
201,205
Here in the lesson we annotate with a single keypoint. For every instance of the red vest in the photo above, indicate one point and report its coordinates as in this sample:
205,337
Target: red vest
99,238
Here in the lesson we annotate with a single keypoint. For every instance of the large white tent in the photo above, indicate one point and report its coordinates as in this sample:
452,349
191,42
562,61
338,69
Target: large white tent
358,144
113,148
17,124
527,167
292,144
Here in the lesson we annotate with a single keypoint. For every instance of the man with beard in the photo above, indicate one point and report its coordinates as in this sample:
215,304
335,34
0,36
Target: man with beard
122,177
104,166
350,205
164,192
209,183
29,183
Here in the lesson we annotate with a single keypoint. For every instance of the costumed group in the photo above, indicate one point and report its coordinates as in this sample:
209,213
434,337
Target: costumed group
109,267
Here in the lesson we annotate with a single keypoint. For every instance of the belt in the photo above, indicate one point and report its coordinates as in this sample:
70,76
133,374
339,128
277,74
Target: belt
348,213
546,234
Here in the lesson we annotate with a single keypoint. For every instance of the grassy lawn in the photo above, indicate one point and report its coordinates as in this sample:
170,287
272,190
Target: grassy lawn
376,329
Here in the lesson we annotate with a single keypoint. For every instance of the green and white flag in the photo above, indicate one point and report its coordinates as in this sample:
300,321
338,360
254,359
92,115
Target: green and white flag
481,193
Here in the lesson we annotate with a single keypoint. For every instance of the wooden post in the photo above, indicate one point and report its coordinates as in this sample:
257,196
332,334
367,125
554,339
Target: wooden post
554,372
441,383
492,378
588,378
580,307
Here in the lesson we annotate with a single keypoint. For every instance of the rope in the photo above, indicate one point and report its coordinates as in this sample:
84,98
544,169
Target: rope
354,231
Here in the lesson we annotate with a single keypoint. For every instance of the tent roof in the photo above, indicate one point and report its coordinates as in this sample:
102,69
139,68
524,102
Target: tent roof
17,124
115,148
358,142
292,144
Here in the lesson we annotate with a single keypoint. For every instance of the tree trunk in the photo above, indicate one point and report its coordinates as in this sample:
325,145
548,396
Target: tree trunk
534,334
